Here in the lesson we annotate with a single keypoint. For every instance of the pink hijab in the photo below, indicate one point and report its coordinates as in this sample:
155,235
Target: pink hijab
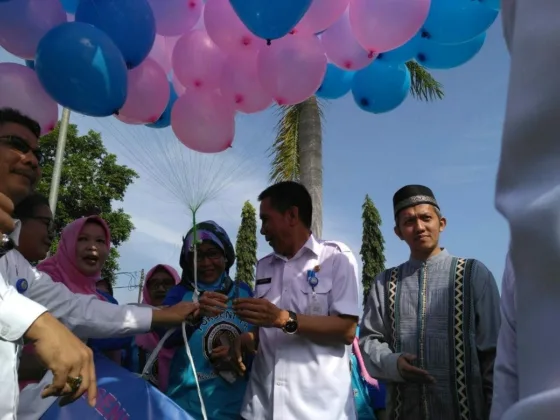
149,341
62,265
62,268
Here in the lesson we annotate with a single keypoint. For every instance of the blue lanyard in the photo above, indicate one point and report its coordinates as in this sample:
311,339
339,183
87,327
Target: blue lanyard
312,279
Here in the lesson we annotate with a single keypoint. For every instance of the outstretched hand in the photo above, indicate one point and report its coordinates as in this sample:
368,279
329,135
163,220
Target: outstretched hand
411,373
260,312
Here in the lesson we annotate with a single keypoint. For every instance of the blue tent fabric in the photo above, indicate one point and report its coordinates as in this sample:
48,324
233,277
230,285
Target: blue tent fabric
121,395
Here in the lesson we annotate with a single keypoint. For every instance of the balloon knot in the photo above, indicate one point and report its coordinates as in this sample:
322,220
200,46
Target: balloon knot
380,55
116,113
426,34
129,66
421,57
268,42
364,102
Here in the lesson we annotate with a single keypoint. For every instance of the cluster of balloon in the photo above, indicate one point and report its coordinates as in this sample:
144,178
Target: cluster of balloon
193,64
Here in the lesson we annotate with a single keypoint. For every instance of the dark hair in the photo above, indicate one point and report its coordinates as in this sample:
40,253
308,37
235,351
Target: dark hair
284,195
9,115
109,285
26,208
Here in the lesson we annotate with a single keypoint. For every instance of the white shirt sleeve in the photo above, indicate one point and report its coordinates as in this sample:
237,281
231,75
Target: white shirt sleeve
85,315
506,391
345,297
17,312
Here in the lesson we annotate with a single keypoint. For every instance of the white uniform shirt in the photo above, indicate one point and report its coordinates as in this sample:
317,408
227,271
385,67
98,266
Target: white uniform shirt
26,292
17,313
292,377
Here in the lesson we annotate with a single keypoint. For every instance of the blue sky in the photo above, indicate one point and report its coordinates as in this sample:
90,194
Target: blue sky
452,146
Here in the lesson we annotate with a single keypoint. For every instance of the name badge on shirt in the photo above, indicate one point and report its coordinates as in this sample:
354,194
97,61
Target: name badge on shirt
267,280
314,306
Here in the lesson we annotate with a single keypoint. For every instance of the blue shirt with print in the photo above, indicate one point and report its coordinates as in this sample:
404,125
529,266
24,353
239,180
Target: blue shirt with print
222,399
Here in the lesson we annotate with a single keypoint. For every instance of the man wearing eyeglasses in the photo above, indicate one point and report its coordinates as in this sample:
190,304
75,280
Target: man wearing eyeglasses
26,294
21,318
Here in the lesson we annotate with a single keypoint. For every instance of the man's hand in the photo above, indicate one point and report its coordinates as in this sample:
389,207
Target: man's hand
411,373
175,315
66,356
212,304
260,312
244,345
7,224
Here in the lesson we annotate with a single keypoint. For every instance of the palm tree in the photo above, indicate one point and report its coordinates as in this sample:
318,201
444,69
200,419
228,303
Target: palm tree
297,151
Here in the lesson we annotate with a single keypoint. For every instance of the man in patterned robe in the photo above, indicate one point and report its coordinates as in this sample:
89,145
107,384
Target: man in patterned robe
430,325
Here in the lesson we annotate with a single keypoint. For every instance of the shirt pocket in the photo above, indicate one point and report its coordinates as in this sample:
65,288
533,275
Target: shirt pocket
317,301
263,290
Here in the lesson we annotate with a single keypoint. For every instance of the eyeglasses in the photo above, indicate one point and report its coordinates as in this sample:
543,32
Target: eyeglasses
155,284
213,255
19,144
47,221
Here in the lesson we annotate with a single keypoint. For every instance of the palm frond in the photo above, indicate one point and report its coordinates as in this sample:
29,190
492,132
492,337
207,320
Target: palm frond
423,86
285,149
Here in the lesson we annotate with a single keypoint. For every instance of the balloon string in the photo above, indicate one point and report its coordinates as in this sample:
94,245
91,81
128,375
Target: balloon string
195,255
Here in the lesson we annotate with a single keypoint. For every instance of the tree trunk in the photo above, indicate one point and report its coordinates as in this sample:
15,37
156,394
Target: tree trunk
311,159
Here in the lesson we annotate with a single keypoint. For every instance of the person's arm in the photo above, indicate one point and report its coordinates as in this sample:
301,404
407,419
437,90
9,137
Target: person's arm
86,315
506,391
487,318
17,312
379,359
339,327
173,297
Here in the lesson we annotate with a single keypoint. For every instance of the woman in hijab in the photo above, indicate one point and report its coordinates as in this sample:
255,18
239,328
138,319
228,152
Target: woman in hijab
222,389
82,251
159,280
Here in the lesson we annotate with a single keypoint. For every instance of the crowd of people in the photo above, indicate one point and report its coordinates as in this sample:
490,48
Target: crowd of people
288,348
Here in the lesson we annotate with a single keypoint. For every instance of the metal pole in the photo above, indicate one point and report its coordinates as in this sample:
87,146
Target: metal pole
141,286
59,159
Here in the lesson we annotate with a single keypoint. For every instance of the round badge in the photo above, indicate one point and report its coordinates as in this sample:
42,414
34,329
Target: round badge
22,285
313,281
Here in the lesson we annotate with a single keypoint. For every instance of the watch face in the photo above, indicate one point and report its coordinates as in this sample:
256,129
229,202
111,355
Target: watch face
291,326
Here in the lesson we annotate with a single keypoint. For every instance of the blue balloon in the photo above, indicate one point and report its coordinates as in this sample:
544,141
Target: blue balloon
70,6
28,63
445,56
457,21
270,19
130,24
336,83
403,53
492,4
381,87
165,119
82,69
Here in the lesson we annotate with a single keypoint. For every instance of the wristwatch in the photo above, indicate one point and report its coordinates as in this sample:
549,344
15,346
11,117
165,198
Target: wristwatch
291,325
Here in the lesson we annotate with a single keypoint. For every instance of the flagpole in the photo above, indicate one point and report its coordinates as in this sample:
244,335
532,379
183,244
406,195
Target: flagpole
59,159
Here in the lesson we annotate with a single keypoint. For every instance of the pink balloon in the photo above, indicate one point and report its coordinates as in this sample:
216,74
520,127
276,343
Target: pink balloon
24,22
241,86
176,17
321,15
20,89
179,88
162,51
227,30
148,94
197,61
383,25
291,69
342,48
203,121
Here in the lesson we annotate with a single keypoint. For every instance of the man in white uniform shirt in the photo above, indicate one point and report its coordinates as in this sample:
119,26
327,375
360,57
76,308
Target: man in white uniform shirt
306,309
26,294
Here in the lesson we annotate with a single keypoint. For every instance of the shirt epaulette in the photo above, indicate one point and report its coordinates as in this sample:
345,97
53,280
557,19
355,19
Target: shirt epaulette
342,247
